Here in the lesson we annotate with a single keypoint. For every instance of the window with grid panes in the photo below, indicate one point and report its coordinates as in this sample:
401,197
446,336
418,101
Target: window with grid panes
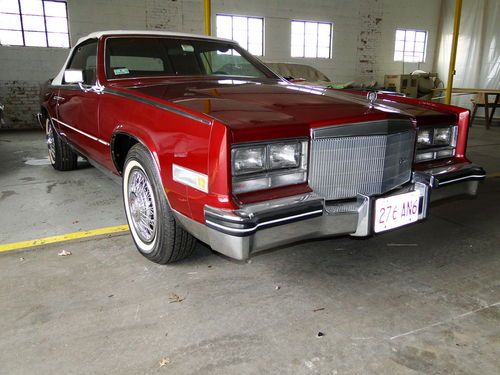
248,31
311,39
34,23
410,45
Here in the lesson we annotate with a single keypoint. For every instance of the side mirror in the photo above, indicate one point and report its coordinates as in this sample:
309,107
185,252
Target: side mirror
73,76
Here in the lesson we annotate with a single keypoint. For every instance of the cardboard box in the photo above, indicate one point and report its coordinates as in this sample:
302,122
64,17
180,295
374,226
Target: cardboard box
404,83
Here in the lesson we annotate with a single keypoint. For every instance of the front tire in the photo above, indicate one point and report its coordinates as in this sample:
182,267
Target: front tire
156,233
61,156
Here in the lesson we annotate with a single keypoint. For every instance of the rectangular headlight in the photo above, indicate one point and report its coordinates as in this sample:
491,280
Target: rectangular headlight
436,143
265,166
424,137
249,160
442,136
284,155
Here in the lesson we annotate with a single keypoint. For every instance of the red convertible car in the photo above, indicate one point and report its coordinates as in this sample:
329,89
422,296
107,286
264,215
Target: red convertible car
212,145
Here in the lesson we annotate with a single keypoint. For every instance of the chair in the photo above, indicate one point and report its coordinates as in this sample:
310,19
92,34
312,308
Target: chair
481,100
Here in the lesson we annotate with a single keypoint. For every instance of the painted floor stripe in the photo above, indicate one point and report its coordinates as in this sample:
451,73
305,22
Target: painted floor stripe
63,237
92,233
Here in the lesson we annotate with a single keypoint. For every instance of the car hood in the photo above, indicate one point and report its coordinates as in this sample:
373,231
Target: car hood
243,104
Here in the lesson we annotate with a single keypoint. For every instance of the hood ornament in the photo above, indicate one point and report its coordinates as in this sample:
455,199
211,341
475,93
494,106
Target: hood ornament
371,97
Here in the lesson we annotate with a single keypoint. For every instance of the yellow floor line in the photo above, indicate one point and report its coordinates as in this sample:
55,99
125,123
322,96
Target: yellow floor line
91,233
62,238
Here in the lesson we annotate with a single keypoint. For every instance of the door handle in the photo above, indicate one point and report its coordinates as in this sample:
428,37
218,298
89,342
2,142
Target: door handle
58,98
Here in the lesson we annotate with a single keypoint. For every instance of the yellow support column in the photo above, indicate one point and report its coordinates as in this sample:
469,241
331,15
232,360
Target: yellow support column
454,43
207,15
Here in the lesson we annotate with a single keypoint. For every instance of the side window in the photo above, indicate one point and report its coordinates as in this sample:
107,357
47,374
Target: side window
85,59
136,57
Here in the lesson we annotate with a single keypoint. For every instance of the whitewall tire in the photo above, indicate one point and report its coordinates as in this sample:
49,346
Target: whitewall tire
156,233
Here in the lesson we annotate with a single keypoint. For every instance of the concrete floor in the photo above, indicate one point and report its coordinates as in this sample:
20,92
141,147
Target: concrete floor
420,300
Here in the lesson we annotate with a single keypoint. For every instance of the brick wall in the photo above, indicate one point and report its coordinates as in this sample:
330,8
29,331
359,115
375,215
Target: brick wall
363,41
163,15
20,101
369,36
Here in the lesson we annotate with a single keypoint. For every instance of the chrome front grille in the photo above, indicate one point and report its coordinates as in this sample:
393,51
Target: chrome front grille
342,167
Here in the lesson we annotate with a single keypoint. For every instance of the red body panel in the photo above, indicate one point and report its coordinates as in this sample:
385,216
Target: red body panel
192,122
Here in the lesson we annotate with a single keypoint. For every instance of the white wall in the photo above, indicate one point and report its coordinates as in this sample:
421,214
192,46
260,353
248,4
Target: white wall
364,32
363,41
478,51
410,14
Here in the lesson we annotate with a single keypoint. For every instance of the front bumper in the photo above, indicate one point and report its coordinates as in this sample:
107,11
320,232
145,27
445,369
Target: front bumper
256,227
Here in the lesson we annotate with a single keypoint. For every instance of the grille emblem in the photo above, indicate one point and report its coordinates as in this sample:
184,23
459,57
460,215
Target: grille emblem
371,97
402,161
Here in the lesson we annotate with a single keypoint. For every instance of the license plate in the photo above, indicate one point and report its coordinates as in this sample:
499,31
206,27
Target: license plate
396,211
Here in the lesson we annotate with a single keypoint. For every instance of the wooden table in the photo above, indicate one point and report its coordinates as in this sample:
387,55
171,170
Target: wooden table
487,92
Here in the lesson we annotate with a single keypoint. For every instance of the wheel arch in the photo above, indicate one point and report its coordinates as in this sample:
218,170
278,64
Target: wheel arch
122,141
44,111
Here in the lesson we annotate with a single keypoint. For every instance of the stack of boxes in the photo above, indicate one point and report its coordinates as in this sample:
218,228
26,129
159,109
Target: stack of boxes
403,83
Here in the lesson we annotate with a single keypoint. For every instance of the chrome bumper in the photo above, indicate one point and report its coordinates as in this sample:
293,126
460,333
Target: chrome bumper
256,227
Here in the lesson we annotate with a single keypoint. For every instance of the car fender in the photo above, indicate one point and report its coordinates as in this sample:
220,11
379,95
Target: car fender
176,198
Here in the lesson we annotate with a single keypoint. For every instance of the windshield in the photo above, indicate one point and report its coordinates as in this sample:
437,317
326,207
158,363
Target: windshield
130,57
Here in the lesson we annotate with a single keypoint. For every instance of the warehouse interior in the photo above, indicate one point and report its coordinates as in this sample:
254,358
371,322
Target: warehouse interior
76,297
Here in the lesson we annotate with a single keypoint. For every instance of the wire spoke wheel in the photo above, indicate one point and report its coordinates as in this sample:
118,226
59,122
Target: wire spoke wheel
142,205
153,226
51,143
61,156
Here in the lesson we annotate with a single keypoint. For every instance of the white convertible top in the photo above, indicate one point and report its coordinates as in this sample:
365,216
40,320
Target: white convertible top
97,34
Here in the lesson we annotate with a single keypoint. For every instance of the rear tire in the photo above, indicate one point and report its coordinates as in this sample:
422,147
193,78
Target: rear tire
61,156
156,233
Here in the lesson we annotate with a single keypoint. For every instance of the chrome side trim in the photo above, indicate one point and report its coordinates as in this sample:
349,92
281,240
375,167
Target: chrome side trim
156,104
64,87
474,176
82,132
249,218
265,223
463,188
450,174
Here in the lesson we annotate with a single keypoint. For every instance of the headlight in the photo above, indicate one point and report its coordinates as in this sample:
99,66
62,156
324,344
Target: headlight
424,137
249,160
436,143
442,136
283,155
265,166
